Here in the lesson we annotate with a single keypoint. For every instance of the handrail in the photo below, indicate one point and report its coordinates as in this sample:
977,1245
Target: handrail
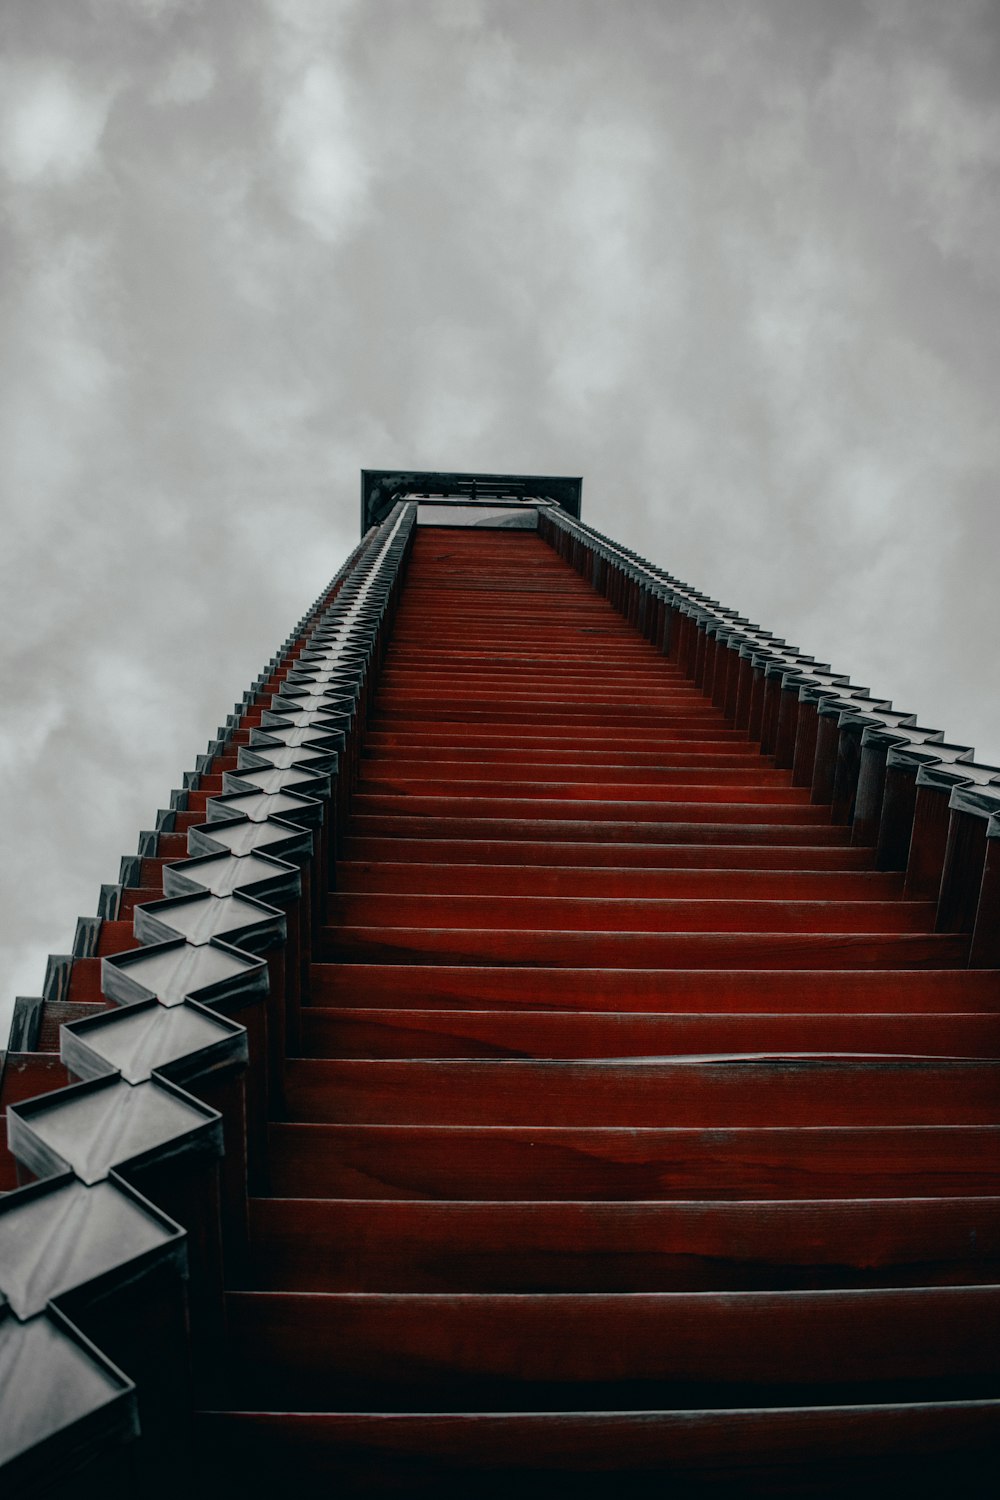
93,1258
925,805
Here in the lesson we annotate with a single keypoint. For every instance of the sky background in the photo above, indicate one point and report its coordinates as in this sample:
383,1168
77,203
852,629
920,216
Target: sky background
737,265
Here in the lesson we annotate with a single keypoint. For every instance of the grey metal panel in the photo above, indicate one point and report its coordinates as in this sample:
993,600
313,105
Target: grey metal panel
59,1398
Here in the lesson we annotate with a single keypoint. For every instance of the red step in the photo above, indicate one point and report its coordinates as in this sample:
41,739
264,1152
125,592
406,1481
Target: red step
431,986
346,1033
555,1163
344,1245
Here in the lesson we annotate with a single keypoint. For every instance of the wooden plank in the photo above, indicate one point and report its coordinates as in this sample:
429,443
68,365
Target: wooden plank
550,788
549,832
359,1245
715,1093
479,747
736,810
402,770
626,913
401,1161
438,878
927,1448
661,991
359,1033
316,1350
641,950
572,853
533,731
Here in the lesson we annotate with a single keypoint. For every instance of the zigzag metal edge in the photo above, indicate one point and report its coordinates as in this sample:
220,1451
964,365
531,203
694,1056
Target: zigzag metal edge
925,804
82,1227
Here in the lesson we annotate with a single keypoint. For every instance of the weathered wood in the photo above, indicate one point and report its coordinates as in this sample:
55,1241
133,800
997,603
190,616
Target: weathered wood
927,1448
642,950
360,1033
619,914
656,990
403,877
744,1090
676,1349
308,1245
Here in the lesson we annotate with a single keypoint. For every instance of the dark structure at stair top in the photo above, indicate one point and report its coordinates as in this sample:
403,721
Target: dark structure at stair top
382,488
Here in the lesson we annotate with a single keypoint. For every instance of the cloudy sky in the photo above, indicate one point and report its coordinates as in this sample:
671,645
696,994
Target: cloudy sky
736,264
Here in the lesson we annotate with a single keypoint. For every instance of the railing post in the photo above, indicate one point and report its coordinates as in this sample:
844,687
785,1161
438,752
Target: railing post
984,950
972,804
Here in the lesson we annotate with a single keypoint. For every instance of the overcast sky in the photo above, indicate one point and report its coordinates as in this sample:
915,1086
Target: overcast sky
737,265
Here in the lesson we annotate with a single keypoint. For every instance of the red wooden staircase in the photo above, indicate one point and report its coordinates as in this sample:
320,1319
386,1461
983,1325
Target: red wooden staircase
644,1135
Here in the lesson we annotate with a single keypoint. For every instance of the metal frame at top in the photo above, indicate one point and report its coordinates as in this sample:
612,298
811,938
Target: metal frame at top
381,488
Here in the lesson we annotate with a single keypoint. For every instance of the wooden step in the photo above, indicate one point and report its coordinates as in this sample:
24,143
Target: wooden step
584,1162
922,1449
507,825
400,877
391,785
597,914
513,759
461,1351
359,1033
402,773
641,950
489,749
739,806
537,732
317,1245
579,855
706,1093
661,991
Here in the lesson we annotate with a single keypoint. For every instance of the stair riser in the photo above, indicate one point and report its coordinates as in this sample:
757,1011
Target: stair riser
416,1034
644,1094
413,1162
436,986
697,1349
305,1245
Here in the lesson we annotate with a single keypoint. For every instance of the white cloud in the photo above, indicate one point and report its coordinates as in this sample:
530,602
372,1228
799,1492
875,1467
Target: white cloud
50,127
318,137
190,78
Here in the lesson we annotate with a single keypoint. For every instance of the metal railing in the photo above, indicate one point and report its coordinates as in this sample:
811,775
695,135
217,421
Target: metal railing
167,1127
922,803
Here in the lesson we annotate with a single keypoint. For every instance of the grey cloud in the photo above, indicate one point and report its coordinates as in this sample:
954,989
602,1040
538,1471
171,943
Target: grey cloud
736,265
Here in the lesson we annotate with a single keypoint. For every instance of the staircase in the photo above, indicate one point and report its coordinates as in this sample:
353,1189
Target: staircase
644,1138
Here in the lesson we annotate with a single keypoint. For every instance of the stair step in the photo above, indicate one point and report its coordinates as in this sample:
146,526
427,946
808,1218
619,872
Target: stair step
360,1033
547,788
534,731
318,1245
660,991
924,1449
553,1162
733,811
513,758
571,853
403,877
413,823
598,914
707,1093
640,950
511,1352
